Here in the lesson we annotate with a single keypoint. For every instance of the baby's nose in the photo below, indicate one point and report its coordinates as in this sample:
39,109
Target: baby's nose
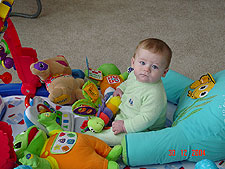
147,69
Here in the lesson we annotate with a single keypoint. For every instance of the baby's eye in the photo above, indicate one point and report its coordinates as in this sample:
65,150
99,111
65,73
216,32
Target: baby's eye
155,67
142,63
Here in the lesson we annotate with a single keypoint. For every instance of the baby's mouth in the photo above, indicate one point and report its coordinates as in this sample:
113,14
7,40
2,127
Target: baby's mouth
144,74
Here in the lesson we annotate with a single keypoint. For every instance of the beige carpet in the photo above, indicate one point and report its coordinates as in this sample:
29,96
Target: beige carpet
108,31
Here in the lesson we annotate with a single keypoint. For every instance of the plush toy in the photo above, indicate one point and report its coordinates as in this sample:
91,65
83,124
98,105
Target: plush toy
63,149
198,130
7,155
107,77
57,75
104,116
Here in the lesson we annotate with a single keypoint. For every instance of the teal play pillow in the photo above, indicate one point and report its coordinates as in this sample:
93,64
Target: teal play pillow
198,130
175,84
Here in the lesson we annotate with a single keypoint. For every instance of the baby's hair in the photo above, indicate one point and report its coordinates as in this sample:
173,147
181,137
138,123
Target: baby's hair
156,46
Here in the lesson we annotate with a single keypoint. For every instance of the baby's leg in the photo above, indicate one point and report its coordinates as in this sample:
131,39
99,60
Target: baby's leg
108,136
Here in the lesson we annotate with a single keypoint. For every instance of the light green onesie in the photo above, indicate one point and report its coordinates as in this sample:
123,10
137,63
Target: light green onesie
143,108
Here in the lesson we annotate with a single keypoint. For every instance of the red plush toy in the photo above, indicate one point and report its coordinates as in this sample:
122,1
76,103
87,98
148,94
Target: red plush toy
7,155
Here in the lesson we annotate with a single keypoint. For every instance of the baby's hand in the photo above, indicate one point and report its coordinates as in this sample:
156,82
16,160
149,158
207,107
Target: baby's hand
118,127
118,92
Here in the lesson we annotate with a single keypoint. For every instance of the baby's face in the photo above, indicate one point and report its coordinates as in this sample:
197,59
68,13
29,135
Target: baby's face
148,67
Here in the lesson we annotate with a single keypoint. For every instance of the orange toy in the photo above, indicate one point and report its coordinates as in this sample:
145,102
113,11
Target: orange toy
63,149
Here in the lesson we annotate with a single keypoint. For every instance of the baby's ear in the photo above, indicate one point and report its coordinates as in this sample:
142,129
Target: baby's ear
165,72
132,62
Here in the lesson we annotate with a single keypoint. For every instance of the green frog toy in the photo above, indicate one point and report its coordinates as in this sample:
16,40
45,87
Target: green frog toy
63,149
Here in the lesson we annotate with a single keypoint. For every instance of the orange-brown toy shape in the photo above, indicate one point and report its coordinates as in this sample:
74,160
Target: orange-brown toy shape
63,88
110,81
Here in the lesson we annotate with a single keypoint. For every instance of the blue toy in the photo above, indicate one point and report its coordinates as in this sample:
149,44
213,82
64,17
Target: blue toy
205,164
198,129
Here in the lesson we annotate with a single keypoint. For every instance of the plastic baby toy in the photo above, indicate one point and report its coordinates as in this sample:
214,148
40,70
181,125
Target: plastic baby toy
7,62
6,77
63,149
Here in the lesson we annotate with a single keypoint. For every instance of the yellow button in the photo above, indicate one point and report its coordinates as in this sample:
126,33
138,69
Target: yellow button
65,115
46,153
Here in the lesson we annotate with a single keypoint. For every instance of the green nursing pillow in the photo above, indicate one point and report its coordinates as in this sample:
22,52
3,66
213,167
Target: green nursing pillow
198,129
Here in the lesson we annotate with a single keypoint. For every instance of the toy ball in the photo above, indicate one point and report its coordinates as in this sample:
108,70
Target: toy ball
8,63
207,164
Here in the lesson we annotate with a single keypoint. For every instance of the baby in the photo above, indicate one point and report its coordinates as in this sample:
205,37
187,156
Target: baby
143,97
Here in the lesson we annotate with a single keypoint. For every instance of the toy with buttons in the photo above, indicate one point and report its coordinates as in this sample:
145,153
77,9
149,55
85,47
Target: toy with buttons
63,149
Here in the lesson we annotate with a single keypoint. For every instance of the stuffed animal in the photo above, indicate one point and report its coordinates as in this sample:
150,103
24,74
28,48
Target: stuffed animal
106,113
7,155
57,75
109,78
198,129
102,118
63,149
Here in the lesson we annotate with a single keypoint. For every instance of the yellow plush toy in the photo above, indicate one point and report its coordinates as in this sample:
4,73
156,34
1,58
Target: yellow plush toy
63,88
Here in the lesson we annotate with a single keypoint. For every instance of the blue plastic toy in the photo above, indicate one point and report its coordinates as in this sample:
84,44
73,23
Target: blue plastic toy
205,164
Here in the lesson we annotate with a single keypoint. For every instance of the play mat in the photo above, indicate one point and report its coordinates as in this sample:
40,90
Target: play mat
14,115
14,108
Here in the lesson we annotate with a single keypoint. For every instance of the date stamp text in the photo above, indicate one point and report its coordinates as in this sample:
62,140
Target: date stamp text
185,152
